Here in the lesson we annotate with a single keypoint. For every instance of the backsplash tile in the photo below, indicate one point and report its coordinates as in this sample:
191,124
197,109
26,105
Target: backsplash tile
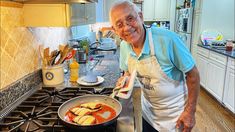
18,47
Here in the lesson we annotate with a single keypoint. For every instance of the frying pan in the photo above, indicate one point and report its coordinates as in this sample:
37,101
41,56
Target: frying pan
64,108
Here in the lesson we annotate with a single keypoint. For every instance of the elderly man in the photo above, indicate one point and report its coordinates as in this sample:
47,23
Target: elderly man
166,70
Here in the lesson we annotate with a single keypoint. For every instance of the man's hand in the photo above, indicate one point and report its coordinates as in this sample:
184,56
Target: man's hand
120,80
186,121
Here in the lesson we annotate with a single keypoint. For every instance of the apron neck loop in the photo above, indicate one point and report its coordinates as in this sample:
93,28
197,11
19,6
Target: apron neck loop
152,52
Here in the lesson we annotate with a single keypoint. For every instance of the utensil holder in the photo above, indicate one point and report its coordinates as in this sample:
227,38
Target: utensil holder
53,75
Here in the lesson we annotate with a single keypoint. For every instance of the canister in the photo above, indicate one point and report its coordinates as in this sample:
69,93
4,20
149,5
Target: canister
53,75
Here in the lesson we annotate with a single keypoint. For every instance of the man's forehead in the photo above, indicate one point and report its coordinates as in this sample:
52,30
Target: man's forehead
120,15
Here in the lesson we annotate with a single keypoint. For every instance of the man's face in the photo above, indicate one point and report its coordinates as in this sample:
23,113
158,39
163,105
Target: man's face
128,24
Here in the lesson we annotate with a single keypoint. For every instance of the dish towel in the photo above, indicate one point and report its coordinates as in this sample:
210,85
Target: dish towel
125,89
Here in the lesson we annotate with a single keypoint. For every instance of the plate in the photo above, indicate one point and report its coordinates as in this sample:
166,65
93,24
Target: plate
100,80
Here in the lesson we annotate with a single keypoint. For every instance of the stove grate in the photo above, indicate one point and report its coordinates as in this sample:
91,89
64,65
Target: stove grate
38,113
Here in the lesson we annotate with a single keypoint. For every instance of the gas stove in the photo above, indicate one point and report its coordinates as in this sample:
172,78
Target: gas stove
38,113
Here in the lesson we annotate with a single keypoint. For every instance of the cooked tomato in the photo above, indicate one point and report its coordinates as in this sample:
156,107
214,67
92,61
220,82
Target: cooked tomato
104,114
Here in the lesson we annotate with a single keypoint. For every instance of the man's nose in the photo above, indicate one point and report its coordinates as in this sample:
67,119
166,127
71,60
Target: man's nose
127,25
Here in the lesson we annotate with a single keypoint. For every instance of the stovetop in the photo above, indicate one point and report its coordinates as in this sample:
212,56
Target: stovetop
38,113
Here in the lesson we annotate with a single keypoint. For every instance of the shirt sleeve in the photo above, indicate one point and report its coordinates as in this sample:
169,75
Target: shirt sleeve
180,55
123,56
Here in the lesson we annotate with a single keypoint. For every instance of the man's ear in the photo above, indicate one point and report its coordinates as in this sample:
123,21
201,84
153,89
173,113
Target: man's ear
114,30
141,16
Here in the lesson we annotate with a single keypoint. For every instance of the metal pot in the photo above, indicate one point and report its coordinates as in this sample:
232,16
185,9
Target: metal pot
63,109
80,54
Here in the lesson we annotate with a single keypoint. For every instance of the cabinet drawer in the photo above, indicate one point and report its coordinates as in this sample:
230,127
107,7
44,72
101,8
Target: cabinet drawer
218,57
203,52
231,63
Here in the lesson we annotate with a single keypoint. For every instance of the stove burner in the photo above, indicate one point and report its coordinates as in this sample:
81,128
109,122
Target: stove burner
38,113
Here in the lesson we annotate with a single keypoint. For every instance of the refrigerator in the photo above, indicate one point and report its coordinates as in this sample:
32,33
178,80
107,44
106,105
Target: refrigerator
184,24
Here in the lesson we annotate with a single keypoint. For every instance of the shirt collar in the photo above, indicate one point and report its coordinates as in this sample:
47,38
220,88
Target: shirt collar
146,48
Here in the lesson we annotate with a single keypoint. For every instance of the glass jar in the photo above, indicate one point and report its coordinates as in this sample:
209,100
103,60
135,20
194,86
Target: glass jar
229,45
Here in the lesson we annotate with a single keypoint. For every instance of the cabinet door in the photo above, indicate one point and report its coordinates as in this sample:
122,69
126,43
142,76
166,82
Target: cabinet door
162,10
45,15
215,79
148,10
229,95
82,14
77,15
90,13
202,63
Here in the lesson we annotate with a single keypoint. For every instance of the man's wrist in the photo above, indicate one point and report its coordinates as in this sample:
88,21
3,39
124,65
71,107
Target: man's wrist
190,108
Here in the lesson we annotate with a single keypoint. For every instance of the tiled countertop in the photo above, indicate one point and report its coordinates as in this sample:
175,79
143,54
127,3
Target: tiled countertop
223,52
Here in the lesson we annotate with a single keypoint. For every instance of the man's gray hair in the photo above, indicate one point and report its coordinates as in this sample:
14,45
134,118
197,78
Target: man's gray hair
124,2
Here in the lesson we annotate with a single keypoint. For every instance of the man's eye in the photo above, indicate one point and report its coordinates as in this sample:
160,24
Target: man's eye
130,19
119,25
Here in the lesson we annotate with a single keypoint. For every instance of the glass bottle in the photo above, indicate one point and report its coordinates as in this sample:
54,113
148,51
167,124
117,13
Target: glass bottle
74,71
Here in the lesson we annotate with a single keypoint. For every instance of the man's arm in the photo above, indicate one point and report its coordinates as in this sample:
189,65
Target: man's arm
187,119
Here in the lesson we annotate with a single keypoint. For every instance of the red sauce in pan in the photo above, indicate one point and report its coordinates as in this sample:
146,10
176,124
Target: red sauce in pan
105,114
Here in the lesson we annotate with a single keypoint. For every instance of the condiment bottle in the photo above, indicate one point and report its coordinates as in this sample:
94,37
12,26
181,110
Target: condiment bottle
74,67
229,45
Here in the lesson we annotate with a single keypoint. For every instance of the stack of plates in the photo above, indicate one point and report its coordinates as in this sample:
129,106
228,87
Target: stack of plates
90,80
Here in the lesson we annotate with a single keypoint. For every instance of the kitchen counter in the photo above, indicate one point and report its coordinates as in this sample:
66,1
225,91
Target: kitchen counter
220,51
109,64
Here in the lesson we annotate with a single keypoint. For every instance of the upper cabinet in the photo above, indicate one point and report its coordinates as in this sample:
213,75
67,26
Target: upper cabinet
58,15
82,14
46,15
156,10
102,10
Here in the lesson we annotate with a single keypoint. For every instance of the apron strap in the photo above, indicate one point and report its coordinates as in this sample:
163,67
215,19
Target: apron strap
152,52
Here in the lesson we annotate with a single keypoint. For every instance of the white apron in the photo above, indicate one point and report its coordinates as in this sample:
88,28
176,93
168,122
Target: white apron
162,98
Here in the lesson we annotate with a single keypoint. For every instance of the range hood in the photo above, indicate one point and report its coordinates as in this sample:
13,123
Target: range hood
54,1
